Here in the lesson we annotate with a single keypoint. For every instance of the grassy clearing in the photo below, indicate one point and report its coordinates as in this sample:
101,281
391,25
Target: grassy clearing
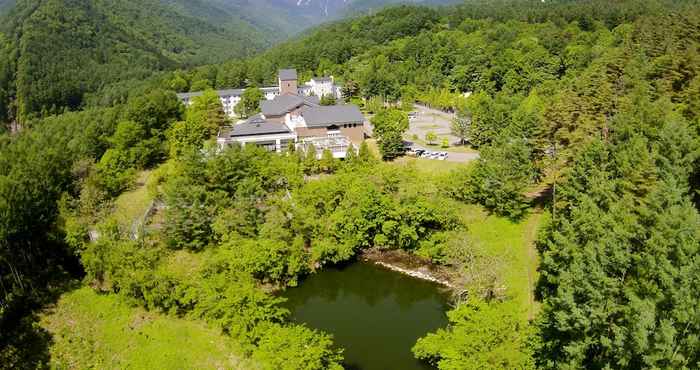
499,236
428,166
100,331
131,205
514,243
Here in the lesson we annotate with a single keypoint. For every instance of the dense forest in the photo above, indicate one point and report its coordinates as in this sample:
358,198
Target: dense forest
54,52
589,110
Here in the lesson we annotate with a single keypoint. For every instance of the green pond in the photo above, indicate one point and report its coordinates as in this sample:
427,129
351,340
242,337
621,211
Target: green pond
374,313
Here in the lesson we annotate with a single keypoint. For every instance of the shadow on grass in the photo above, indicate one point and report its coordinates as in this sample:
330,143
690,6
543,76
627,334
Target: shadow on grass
24,344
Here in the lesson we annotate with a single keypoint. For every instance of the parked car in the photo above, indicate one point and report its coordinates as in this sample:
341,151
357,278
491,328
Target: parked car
426,154
443,156
419,152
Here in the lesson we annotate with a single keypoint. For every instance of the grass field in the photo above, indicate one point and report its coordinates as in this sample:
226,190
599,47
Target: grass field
514,243
428,166
131,205
511,241
102,332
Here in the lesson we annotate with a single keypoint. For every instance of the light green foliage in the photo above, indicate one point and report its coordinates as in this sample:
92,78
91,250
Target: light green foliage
328,163
430,137
389,126
97,330
364,154
351,156
184,137
311,163
481,335
208,109
328,100
296,348
374,104
250,102
461,123
445,143
268,260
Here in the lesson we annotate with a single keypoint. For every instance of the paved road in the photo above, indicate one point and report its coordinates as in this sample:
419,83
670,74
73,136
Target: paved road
433,120
437,121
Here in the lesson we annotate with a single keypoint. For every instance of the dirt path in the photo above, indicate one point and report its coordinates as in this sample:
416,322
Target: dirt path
530,236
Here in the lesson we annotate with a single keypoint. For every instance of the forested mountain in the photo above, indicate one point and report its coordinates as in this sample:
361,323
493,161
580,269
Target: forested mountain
55,51
586,111
5,5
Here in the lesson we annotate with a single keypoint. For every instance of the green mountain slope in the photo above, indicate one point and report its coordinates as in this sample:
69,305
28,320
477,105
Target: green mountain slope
61,49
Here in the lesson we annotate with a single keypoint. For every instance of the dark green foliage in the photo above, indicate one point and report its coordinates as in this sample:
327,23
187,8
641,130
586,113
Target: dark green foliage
624,226
61,50
501,177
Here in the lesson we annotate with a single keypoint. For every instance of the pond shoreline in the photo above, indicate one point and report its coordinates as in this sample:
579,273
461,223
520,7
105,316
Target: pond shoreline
409,264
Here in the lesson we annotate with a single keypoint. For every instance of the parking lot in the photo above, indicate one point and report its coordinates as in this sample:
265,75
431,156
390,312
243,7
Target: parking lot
432,120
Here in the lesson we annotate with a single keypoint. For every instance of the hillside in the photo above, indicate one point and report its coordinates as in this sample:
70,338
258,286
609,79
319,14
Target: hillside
293,16
61,49
573,240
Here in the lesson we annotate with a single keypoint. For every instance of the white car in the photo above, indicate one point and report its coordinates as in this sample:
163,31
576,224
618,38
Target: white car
442,156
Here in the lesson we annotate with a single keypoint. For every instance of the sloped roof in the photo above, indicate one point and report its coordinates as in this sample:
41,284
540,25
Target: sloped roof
280,105
284,104
288,74
324,116
256,125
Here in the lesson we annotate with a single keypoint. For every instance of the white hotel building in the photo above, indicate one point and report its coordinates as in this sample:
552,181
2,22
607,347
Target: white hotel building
317,86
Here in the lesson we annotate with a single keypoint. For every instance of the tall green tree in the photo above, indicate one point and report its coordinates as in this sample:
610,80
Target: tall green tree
250,102
461,123
389,126
208,108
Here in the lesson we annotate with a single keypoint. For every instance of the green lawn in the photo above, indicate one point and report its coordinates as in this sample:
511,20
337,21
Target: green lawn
514,242
428,166
132,205
90,330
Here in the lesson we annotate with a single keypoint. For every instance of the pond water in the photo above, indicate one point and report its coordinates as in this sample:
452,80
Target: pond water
374,313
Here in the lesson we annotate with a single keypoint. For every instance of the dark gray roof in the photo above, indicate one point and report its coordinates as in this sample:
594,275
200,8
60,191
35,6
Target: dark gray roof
312,100
288,74
284,104
324,116
280,105
255,125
